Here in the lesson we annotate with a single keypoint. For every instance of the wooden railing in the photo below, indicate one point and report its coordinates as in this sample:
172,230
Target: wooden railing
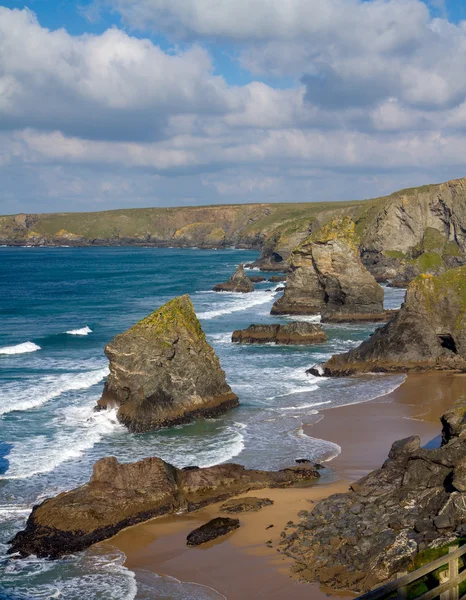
448,588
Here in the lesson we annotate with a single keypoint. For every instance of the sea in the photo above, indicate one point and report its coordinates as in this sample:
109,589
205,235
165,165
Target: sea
58,309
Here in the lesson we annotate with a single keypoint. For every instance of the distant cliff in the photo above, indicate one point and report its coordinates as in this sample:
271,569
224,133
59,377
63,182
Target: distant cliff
411,231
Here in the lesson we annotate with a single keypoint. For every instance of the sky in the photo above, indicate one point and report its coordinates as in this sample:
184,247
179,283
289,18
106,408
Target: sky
132,103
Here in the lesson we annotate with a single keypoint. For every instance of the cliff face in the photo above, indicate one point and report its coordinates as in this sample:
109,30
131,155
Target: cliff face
163,371
413,503
119,495
327,276
429,331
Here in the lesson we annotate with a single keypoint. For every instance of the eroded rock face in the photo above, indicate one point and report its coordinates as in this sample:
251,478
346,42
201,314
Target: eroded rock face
212,530
163,371
249,504
327,276
119,495
429,331
363,538
298,332
238,282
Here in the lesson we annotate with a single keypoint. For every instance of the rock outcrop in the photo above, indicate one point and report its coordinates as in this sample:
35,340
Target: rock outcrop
163,371
212,530
415,502
428,332
238,282
295,333
119,495
257,278
248,504
327,277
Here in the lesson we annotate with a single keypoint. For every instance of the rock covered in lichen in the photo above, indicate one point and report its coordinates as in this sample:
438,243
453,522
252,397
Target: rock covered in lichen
327,276
238,282
429,331
163,371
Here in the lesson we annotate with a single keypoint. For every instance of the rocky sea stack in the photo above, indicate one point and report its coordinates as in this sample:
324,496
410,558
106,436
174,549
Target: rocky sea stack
163,372
120,495
415,503
429,331
296,333
327,277
238,282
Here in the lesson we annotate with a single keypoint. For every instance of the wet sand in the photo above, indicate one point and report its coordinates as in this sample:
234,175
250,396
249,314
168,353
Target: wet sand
241,565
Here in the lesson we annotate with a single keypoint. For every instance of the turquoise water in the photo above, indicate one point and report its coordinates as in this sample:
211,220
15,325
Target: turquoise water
58,308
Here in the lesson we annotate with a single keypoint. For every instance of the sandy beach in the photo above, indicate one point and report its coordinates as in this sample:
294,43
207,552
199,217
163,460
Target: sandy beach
246,564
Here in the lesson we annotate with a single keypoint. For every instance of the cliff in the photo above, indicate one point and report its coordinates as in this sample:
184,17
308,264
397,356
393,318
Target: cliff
120,495
428,332
163,372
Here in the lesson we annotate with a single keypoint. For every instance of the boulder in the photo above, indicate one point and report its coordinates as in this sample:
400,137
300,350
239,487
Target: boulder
295,333
163,372
327,277
257,278
249,504
120,495
238,282
212,530
361,539
428,332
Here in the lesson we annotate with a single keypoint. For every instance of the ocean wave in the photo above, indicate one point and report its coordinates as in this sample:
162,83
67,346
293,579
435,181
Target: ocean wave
23,348
17,397
305,406
80,429
83,331
239,303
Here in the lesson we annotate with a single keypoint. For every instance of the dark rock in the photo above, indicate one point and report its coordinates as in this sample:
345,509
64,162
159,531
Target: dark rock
277,278
238,282
454,421
429,332
297,332
212,530
163,371
120,495
257,278
327,277
302,461
249,504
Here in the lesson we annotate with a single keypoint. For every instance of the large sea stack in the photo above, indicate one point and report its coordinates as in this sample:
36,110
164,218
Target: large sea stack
163,372
429,331
119,495
327,277
415,502
238,282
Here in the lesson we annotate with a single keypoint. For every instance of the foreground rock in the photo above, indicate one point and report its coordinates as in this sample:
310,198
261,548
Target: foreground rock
249,504
238,282
163,372
298,332
327,277
429,331
119,495
363,538
212,530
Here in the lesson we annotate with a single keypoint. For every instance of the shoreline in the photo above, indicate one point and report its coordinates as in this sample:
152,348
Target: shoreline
242,565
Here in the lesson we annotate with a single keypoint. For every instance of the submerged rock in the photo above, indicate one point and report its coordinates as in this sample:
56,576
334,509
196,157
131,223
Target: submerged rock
363,538
428,332
297,332
327,277
238,282
212,530
119,495
163,371
249,504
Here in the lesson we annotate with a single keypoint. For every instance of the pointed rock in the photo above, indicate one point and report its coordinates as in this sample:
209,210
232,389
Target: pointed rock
327,277
238,282
163,372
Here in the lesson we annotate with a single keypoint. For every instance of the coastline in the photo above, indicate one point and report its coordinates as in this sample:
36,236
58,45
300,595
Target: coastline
242,565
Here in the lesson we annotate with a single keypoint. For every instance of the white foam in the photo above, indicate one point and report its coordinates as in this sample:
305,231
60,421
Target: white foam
305,318
238,303
83,331
20,348
80,428
304,406
17,396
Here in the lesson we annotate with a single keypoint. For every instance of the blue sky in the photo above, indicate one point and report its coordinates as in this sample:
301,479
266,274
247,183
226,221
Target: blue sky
111,103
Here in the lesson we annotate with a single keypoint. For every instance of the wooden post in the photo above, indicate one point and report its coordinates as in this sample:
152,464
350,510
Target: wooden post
402,592
453,568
